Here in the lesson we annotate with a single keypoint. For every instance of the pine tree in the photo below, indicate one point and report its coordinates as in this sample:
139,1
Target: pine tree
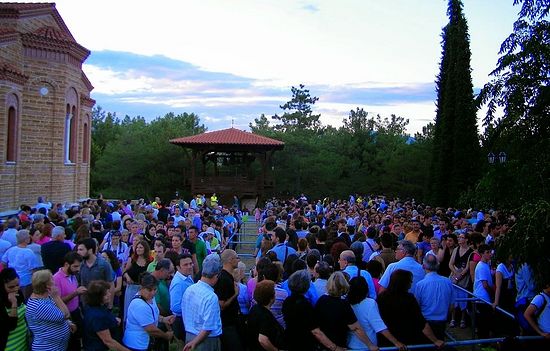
298,113
456,144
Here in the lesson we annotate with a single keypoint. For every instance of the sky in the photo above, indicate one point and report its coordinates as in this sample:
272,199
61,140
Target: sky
229,61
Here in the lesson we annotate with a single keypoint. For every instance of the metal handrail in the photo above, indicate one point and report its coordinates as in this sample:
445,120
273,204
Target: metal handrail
503,311
246,255
461,343
243,242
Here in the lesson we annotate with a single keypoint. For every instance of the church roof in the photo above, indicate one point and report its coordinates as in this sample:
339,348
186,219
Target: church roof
17,10
228,137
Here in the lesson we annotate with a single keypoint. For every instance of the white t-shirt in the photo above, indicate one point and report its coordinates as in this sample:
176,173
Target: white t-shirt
544,317
178,219
140,315
506,274
483,272
115,215
369,318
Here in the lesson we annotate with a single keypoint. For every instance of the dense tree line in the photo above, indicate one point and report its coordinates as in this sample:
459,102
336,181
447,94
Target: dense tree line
367,154
132,158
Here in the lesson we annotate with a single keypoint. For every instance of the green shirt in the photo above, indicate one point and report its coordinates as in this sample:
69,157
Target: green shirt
17,338
163,297
151,267
200,251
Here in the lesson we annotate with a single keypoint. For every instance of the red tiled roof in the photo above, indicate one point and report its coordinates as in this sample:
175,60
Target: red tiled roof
230,136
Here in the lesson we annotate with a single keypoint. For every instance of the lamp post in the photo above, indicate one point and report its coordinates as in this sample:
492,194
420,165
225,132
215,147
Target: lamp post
492,158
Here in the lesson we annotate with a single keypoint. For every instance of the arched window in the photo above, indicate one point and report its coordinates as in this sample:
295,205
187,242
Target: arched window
68,120
86,143
72,141
71,127
13,121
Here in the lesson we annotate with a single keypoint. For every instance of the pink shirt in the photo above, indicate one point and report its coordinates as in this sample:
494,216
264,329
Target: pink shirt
66,284
250,287
44,240
376,282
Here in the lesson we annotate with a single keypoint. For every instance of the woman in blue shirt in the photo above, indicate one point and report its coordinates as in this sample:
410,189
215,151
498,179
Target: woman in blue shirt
100,326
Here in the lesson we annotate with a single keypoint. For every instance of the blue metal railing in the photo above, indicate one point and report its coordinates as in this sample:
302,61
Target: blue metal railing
462,343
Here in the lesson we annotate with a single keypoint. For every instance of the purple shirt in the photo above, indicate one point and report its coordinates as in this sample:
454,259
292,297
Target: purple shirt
66,284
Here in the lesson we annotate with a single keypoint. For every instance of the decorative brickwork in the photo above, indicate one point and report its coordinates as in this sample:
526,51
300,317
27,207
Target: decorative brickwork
45,108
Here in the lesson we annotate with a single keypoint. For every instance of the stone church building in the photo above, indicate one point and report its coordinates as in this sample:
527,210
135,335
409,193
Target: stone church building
45,108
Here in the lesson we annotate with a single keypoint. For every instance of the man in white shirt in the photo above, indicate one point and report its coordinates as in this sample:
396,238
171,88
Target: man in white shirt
201,317
347,265
42,203
404,254
435,295
11,233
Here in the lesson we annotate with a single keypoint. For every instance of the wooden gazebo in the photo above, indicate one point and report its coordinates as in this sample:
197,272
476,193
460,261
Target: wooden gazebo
229,162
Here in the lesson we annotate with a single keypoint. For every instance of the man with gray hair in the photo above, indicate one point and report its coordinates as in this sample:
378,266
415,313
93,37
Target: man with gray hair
42,202
404,254
53,251
23,260
202,320
10,234
4,244
347,264
435,295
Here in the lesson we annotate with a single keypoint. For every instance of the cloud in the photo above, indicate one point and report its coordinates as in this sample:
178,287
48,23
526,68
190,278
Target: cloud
310,8
151,86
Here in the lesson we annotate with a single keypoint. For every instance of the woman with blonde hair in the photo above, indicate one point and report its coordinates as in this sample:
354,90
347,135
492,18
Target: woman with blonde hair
47,315
336,317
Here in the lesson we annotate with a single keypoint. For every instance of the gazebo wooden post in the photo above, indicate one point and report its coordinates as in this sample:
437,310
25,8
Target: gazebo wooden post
203,160
269,161
216,172
193,171
263,161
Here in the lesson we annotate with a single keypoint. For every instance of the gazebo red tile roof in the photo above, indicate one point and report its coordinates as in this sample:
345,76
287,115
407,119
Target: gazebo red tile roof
229,137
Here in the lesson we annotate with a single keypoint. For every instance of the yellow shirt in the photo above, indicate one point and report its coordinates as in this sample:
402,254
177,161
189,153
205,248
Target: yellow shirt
412,236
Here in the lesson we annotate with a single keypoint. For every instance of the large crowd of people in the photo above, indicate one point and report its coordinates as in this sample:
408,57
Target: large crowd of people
358,273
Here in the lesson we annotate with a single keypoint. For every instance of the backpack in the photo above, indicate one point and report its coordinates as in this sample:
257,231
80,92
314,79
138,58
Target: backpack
544,303
521,306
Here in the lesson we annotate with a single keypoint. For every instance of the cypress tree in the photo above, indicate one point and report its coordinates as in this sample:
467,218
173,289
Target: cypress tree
455,158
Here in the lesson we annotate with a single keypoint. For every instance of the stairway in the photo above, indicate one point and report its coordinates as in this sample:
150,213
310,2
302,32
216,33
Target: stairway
246,241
